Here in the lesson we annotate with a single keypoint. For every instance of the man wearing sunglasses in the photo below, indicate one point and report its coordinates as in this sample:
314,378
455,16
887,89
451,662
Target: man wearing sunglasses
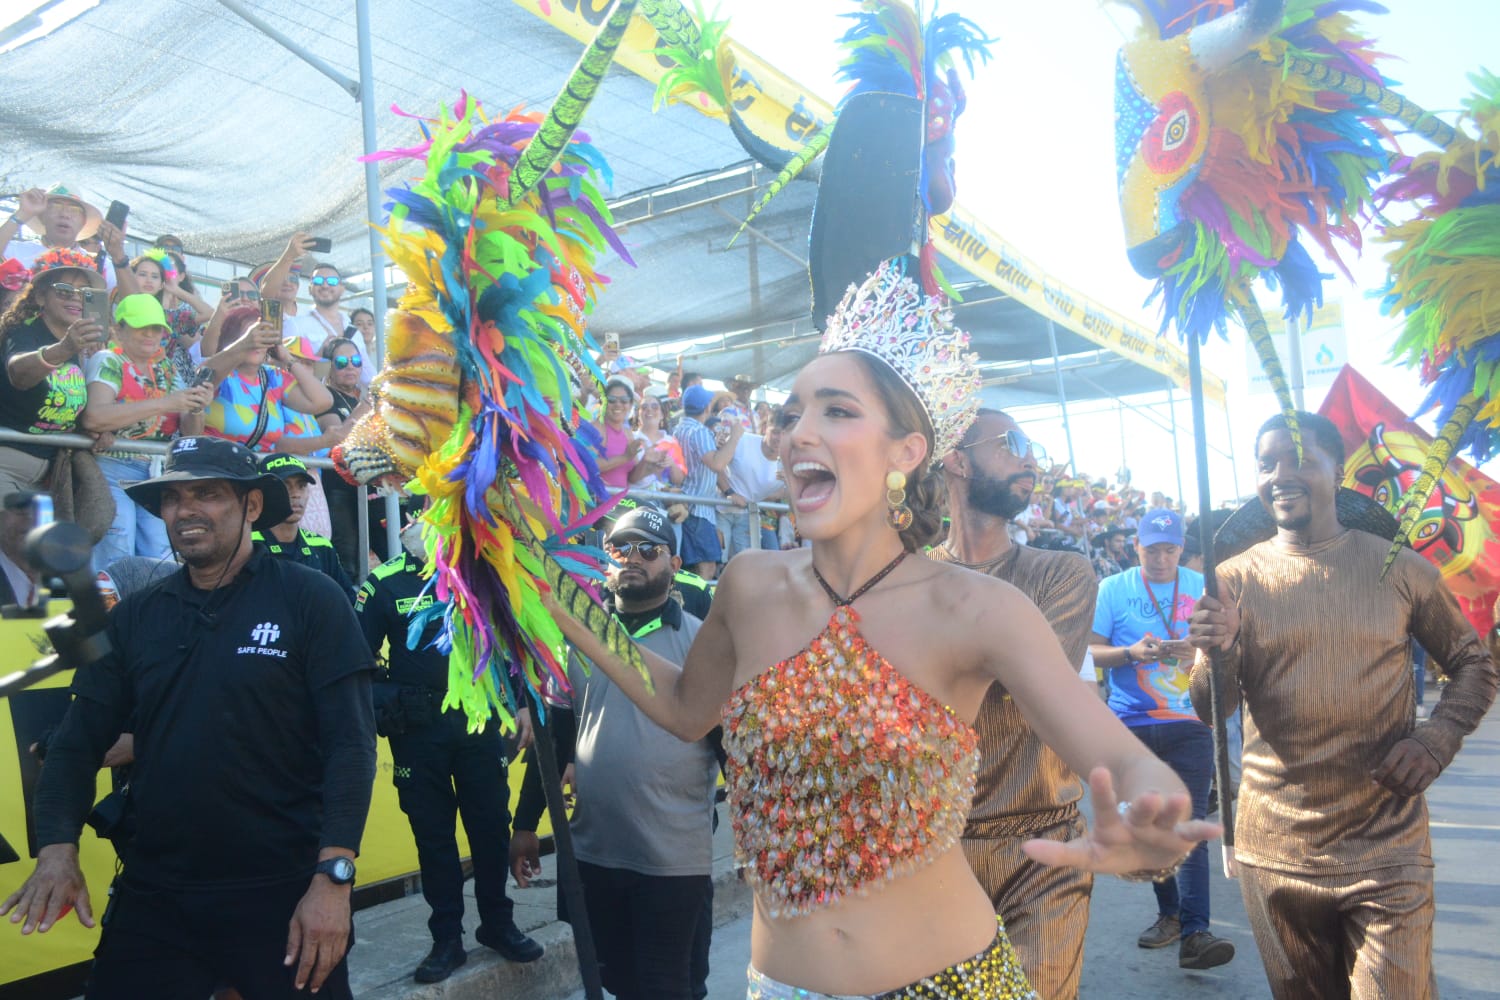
642,828
1024,790
326,320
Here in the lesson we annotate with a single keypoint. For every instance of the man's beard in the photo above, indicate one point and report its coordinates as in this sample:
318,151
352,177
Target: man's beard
997,497
654,587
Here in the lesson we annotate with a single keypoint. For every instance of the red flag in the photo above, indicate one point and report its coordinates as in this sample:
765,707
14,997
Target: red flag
1384,450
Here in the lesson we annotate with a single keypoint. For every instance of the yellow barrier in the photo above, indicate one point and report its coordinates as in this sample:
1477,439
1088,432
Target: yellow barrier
387,852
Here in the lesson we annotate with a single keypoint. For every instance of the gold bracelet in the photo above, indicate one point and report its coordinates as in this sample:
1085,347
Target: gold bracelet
1156,875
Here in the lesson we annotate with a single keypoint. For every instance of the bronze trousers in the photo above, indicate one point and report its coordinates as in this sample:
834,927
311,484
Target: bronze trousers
1366,936
1045,910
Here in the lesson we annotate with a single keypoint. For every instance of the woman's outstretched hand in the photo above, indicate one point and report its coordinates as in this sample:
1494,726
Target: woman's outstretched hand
1153,834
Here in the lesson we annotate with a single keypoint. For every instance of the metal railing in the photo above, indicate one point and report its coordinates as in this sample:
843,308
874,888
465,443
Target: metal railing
153,449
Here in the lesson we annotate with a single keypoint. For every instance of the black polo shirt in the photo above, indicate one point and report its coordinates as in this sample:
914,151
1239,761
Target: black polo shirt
384,604
242,700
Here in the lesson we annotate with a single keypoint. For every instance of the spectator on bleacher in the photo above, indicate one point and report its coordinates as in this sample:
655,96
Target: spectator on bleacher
253,401
14,276
344,385
363,321
705,455
42,336
621,449
237,293
753,475
282,278
1111,552
661,465
306,436
157,274
20,583
325,321
741,409
65,222
137,393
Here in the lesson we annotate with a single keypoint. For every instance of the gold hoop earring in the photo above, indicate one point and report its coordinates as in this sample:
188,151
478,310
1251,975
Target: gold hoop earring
899,515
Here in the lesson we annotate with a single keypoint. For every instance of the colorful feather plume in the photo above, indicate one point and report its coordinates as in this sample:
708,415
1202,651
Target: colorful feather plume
1445,271
1287,163
479,403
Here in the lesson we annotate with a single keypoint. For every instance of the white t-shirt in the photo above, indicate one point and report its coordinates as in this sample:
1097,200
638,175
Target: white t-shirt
751,474
310,324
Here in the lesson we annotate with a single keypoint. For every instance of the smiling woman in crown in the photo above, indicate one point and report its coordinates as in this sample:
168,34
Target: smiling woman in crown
847,677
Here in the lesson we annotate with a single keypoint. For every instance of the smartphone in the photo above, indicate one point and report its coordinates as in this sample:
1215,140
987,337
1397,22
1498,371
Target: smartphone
270,313
117,214
611,341
96,306
320,244
41,510
203,376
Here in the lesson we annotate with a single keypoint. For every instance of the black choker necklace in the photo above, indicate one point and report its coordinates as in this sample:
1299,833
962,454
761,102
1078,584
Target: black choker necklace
844,602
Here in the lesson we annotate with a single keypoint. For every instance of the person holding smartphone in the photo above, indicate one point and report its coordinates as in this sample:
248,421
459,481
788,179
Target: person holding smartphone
137,393
252,401
1140,643
43,335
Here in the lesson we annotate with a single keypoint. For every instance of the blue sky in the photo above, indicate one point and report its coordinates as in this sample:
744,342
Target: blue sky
1036,162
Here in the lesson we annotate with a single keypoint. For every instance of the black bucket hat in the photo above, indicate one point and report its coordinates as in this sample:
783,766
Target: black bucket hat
1252,523
193,459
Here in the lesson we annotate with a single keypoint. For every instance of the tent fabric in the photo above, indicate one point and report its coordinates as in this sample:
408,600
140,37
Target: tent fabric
210,130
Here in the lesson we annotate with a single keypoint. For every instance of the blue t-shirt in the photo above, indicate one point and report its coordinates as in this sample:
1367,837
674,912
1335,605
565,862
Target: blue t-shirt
1143,694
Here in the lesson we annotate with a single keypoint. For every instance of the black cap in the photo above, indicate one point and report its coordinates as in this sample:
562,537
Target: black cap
644,524
193,459
284,467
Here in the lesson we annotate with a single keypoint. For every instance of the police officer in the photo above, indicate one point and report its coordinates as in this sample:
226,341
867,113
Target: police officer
288,540
440,768
248,686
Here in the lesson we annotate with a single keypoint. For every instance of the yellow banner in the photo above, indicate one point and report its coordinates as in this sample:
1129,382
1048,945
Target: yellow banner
787,114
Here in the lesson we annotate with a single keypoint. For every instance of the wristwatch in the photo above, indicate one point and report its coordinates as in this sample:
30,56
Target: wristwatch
340,871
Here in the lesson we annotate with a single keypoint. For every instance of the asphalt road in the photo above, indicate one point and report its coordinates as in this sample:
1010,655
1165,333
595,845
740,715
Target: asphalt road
1465,809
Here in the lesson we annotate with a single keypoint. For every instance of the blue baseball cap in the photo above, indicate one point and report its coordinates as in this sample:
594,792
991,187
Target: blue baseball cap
1160,525
695,399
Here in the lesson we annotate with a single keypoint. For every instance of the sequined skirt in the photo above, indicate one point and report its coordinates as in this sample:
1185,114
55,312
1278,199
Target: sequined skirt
993,974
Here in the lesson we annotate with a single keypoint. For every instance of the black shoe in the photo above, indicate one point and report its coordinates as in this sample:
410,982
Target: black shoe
1160,934
509,942
440,962
1201,950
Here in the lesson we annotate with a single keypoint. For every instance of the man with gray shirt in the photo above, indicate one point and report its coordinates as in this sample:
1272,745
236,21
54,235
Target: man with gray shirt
642,828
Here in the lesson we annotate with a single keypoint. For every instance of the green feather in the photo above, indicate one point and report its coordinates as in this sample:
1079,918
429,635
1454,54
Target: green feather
795,166
1415,499
572,101
1270,363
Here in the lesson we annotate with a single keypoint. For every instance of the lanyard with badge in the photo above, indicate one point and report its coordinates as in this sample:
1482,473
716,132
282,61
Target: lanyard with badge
1165,620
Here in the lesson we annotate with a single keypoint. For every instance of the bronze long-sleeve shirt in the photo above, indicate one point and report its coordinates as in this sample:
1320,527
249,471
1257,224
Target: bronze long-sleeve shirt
1322,666
1022,786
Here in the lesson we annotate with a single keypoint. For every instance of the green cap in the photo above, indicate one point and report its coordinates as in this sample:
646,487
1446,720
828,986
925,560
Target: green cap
284,466
140,311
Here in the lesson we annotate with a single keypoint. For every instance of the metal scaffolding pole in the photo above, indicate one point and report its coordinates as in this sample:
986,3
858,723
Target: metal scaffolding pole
1062,395
1176,454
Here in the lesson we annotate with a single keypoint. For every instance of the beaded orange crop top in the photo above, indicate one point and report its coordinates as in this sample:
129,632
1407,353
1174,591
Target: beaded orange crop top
842,773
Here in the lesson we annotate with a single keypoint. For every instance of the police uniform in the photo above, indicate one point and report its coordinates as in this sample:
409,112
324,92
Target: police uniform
440,767
313,551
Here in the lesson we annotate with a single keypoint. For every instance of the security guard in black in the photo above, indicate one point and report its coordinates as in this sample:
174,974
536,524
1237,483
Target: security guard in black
440,768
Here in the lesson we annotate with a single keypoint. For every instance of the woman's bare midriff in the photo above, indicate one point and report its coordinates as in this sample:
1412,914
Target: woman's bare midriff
898,933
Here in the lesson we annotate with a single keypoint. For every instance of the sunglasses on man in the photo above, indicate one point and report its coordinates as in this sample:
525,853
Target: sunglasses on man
624,550
331,280
1016,443
345,360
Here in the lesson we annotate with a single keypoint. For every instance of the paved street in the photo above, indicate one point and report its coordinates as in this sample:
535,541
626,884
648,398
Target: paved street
1465,809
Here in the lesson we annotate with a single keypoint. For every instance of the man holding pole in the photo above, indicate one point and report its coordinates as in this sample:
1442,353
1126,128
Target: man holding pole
1332,846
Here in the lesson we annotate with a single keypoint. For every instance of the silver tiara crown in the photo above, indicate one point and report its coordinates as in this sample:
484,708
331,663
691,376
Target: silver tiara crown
890,318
